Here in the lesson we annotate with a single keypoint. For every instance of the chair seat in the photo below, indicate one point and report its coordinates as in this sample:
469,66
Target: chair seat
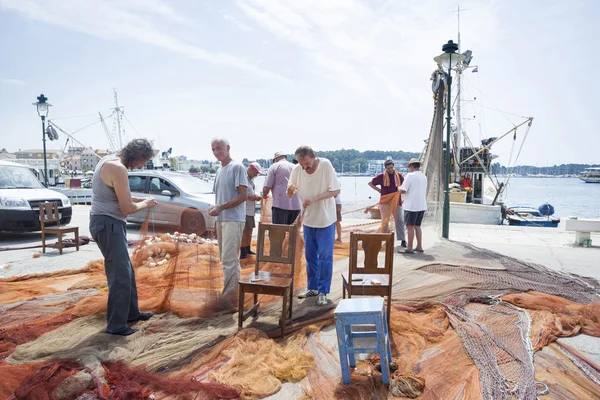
367,279
268,279
61,228
359,306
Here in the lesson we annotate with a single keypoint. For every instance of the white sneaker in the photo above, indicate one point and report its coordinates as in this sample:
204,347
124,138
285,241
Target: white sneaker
322,299
308,293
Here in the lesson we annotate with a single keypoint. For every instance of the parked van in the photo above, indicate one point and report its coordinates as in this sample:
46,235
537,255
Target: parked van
20,195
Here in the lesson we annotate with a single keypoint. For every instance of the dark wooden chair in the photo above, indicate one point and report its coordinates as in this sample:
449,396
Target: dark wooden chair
370,279
271,283
49,214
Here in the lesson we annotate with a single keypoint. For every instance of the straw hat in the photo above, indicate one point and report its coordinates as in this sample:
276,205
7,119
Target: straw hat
413,161
279,154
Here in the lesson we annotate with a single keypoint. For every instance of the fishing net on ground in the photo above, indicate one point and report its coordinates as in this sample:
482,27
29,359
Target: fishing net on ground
466,323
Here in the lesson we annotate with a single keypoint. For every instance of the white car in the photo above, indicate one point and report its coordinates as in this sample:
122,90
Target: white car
183,200
20,196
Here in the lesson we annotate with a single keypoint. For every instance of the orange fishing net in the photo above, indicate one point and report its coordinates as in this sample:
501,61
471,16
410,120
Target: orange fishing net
465,322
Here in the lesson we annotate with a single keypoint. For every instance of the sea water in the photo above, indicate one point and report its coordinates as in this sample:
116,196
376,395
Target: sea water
569,196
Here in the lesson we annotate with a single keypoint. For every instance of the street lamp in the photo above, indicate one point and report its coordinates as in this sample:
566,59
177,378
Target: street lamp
42,109
448,60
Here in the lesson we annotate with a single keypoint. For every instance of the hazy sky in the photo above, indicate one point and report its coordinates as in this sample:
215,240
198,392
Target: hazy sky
271,75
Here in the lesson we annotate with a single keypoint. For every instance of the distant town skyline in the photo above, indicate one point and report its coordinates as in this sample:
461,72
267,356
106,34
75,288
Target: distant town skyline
271,75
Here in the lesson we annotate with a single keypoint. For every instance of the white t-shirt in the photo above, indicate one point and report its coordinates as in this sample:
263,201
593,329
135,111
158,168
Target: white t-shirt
415,198
320,214
251,204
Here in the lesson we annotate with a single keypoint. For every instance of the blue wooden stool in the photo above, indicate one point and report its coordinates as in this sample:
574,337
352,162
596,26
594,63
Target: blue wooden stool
362,311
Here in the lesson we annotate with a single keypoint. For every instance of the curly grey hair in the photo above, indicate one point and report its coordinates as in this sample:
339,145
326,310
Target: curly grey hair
136,152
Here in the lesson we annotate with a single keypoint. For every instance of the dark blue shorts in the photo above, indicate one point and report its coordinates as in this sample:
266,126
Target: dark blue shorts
413,218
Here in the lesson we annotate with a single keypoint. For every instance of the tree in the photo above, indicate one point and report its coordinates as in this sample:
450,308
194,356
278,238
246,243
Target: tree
194,169
173,163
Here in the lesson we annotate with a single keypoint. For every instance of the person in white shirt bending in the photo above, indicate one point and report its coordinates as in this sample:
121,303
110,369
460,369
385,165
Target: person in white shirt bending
414,189
315,182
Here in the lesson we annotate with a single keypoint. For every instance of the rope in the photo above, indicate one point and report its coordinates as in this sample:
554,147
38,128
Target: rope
75,116
129,122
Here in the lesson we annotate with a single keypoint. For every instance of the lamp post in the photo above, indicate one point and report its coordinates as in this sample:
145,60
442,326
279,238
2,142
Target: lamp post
42,109
448,59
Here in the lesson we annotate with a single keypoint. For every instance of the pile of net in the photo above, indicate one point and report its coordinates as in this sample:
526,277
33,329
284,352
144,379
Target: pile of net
465,323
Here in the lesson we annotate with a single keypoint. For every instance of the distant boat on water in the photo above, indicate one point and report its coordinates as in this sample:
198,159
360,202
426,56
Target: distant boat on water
590,175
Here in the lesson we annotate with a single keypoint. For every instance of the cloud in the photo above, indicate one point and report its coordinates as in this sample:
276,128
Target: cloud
351,42
237,23
132,19
9,81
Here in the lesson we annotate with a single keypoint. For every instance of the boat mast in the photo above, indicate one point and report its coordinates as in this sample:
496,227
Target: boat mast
118,110
458,137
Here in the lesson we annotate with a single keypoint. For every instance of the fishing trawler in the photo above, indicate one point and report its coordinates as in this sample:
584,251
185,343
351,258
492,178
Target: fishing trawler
481,200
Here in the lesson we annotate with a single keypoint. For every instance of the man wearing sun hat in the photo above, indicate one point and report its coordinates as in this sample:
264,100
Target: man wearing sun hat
285,210
414,189
254,169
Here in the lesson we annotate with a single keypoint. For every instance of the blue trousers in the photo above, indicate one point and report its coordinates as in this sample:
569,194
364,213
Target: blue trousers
319,257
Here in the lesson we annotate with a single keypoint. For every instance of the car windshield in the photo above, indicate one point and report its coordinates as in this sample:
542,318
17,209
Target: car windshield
191,184
14,177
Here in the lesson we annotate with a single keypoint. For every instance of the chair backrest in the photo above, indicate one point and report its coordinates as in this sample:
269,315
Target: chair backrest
49,213
282,245
371,244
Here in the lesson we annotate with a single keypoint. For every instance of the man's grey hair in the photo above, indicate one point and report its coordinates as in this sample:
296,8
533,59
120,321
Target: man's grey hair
304,151
220,140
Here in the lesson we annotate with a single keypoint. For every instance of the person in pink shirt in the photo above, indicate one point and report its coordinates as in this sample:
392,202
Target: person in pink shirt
285,210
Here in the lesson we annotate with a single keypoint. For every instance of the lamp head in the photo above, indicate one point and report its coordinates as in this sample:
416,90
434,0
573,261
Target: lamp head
43,107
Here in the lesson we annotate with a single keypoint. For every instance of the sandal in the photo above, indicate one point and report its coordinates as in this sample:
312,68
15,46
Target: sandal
420,250
408,251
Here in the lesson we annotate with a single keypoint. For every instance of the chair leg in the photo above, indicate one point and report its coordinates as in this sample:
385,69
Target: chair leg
43,242
77,239
241,307
384,360
60,247
291,305
255,314
343,290
342,350
283,314
389,308
350,343
388,339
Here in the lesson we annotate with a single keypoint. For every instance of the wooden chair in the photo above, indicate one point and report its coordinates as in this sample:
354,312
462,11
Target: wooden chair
49,213
271,283
370,279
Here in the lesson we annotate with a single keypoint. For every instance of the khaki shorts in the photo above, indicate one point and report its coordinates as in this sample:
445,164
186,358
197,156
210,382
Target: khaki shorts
338,211
250,223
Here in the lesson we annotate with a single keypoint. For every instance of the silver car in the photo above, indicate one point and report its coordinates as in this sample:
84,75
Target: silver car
183,200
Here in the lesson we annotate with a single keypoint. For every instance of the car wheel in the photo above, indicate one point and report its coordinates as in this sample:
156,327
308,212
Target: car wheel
192,221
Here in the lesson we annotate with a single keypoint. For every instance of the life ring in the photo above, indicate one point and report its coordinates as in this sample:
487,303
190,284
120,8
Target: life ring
63,164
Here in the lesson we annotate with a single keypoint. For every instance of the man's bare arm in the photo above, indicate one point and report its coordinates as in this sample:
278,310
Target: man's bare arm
374,187
116,175
241,197
266,191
